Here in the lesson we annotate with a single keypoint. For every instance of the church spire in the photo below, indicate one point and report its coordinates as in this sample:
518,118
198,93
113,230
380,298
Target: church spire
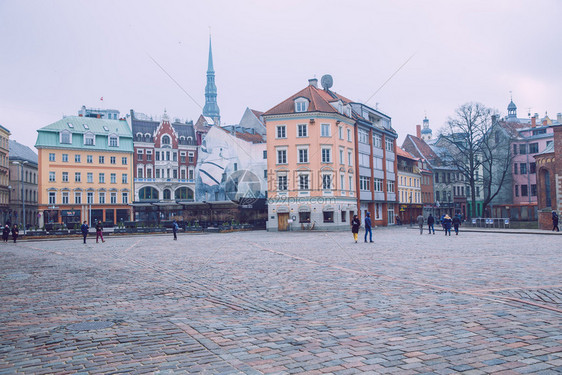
211,108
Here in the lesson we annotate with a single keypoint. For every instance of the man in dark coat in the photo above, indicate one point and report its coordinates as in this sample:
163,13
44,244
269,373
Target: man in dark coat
85,228
355,224
447,222
555,221
368,228
175,228
430,223
6,233
15,232
457,223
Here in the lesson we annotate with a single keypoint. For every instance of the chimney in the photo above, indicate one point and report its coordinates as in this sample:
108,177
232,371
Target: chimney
313,82
494,119
559,118
418,131
533,122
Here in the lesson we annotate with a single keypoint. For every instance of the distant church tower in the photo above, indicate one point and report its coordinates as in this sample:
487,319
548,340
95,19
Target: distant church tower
211,108
512,111
426,131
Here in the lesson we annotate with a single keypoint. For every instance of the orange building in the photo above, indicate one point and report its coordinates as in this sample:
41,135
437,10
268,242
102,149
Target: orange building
85,171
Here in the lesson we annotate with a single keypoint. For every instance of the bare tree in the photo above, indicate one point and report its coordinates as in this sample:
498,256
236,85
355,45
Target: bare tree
469,145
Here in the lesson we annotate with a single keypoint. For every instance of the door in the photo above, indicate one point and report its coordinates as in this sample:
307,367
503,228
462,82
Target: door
283,221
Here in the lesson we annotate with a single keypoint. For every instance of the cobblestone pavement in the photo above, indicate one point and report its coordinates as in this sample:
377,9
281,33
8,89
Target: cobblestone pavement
283,303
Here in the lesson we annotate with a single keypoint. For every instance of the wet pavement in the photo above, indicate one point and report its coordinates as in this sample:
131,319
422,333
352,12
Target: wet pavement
283,303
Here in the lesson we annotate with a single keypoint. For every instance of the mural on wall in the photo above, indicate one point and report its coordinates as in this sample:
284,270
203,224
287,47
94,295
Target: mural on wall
229,168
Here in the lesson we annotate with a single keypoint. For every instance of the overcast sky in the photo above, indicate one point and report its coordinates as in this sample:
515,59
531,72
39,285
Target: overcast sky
59,55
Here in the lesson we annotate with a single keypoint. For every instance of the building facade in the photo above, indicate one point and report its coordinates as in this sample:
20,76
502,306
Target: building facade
4,174
409,187
85,171
24,175
311,161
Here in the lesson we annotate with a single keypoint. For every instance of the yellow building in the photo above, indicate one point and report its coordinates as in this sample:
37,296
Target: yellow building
409,187
4,175
85,171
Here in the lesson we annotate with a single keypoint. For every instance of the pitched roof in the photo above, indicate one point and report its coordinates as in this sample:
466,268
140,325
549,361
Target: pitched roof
22,152
319,101
243,135
405,154
420,149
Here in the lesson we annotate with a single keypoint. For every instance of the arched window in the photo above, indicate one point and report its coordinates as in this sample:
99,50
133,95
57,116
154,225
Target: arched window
148,192
167,194
184,193
165,140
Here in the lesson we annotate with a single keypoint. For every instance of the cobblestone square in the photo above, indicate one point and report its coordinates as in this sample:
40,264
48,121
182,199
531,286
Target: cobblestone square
283,303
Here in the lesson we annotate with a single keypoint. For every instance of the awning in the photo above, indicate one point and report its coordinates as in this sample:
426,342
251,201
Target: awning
283,209
328,208
304,208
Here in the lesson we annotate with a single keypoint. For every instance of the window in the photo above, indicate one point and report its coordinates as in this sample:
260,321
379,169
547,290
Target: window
327,182
390,214
77,177
328,216
390,166
377,141
325,130
64,176
304,217
350,183
77,197
477,191
533,190
52,197
112,160
326,155
523,168
281,131
101,159
437,179
113,178
102,178
533,148
124,160
90,177
51,176
340,131
191,156
377,183
303,155
66,137
282,182
301,105
65,158
437,194
364,160
157,172
515,169
190,174
532,168
514,149
364,183
165,140
342,182
51,157
113,198
65,198
113,141
89,139
102,197
124,178
157,155
125,197
342,161
303,182
302,130
516,190
174,156
77,158
522,149
264,154
524,190
89,159
90,197
282,156
390,145
349,159
362,136
390,186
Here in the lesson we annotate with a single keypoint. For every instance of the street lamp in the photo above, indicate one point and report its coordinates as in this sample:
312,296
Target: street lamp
22,163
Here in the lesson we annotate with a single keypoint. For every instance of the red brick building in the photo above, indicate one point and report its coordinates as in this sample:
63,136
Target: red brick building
549,175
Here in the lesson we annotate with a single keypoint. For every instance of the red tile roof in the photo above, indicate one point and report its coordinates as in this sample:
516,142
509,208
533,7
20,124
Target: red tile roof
405,154
319,101
417,147
248,137
256,113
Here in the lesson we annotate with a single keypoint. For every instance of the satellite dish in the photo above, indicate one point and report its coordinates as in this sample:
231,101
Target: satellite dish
326,82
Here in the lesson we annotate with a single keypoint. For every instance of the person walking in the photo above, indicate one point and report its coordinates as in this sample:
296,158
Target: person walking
6,232
457,223
175,230
430,223
555,221
15,232
99,232
355,224
447,224
85,228
420,219
368,227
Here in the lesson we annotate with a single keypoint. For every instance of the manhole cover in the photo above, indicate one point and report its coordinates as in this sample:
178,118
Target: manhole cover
18,276
88,326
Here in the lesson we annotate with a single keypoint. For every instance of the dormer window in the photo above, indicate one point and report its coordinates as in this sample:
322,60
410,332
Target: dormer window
86,126
66,137
113,141
89,139
70,125
301,105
